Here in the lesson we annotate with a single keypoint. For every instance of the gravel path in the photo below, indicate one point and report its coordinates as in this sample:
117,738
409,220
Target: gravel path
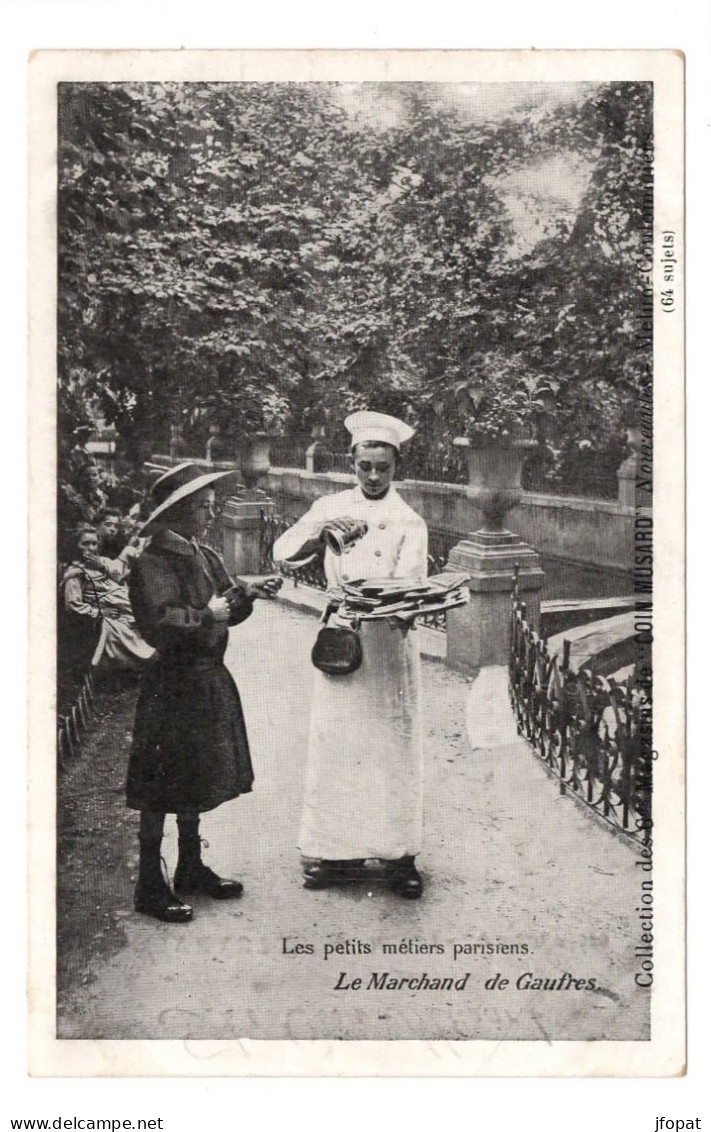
523,881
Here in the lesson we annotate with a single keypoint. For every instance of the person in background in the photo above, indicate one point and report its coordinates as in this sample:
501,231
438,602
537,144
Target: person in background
131,541
92,592
108,526
190,751
91,484
130,527
363,796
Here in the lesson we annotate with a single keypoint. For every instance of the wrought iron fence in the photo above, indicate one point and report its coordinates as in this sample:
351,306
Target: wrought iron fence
593,733
587,472
440,541
287,454
72,726
337,462
273,525
444,467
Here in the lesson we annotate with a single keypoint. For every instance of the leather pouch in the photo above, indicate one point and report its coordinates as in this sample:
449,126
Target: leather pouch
337,651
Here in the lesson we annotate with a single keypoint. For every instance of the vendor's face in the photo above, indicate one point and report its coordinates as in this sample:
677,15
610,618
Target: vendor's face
88,545
375,468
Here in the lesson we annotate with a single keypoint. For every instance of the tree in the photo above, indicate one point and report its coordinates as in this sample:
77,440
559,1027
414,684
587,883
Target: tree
250,251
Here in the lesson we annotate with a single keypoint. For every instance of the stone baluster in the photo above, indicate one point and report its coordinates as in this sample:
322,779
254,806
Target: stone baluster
478,634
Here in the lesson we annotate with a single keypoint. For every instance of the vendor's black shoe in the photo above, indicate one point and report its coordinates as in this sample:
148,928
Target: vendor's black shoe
197,877
156,899
404,879
325,873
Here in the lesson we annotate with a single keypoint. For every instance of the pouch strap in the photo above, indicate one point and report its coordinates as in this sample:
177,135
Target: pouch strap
331,607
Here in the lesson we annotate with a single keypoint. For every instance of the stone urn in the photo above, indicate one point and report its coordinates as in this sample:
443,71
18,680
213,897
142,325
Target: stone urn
478,633
253,458
495,477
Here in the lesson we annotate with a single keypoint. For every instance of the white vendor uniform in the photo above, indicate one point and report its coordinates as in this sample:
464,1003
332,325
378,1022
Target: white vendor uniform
364,772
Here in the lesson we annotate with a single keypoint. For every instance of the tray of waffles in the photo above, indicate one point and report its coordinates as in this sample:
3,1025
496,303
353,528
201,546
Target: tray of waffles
403,598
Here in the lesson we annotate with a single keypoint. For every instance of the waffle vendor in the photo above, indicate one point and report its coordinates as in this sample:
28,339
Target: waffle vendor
363,796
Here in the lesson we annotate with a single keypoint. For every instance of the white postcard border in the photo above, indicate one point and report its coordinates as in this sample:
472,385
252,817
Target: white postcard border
664,1054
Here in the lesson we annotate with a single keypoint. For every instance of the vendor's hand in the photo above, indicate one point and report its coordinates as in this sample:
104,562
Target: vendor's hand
219,607
404,625
266,588
345,524
92,561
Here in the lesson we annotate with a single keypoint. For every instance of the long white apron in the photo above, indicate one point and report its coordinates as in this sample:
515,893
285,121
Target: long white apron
363,795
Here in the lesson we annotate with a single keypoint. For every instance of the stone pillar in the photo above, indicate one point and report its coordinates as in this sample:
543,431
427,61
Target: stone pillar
311,456
177,444
627,471
213,449
627,481
478,633
242,531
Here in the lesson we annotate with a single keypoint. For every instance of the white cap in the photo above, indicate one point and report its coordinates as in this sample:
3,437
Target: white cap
377,426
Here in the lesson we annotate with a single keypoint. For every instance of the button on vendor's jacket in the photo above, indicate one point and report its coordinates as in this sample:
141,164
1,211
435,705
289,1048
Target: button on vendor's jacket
190,749
395,545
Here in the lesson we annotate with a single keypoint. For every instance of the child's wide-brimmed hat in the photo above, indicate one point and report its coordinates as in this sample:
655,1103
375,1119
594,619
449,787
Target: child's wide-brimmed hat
177,484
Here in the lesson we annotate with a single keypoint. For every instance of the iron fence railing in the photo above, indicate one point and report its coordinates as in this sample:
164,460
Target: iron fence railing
593,733
287,454
590,474
273,525
440,541
72,726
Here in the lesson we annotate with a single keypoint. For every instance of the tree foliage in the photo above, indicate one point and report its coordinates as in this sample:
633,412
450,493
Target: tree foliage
250,253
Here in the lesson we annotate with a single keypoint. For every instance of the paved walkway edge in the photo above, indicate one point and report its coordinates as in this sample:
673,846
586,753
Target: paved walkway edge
489,718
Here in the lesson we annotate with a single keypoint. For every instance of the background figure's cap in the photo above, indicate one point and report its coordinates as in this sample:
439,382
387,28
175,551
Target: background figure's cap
176,484
365,425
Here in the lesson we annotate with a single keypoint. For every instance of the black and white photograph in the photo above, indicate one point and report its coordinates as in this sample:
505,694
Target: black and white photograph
363,389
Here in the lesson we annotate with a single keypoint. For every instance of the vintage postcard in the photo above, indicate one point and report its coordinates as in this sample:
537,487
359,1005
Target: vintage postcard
357,503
